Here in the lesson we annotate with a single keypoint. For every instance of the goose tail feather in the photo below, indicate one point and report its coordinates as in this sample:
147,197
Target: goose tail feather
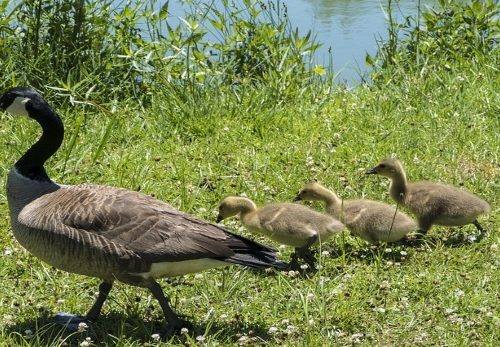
253,254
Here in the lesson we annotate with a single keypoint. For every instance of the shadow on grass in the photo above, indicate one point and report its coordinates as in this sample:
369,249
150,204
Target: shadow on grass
114,327
397,251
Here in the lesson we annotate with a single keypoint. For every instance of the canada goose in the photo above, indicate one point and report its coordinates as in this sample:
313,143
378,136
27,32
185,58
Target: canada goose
373,221
432,203
289,224
110,233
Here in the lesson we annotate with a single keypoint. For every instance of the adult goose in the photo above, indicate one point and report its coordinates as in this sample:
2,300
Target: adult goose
110,233
373,221
432,203
289,224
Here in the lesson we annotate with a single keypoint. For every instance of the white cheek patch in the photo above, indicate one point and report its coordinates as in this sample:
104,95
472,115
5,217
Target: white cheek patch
18,106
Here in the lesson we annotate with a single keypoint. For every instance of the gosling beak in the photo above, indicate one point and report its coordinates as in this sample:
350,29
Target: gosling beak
371,172
297,198
219,218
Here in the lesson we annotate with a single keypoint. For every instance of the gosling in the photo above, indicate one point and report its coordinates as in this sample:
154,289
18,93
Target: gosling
432,203
373,221
286,223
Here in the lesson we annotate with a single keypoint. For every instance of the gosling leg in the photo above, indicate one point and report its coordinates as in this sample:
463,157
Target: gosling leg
483,232
174,323
305,253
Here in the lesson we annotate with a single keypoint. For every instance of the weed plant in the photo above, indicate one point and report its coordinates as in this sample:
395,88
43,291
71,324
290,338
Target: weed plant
199,139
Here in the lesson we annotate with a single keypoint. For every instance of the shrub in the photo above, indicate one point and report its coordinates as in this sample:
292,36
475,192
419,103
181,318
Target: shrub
456,35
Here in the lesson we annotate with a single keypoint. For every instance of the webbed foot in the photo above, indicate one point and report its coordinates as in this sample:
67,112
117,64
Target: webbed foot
72,322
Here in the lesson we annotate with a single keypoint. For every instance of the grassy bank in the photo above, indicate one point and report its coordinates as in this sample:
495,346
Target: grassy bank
193,146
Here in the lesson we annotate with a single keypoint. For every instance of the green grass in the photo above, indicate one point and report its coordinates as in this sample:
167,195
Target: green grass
192,142
236,141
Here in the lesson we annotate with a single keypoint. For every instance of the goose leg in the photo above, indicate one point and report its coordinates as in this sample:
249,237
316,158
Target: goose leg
95,310
174,323
72,321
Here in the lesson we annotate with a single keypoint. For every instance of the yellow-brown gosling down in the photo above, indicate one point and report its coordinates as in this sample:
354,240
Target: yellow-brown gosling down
432,203
286,223
373,221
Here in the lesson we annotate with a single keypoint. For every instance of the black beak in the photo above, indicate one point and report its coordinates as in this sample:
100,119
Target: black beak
297,198
219,218
371,172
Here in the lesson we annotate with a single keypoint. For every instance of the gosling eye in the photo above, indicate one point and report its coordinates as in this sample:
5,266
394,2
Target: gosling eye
382,166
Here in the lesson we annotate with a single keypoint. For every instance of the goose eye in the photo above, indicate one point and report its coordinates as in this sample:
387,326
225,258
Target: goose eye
382,166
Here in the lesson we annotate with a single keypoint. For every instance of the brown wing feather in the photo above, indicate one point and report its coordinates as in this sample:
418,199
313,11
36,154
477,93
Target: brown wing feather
132,222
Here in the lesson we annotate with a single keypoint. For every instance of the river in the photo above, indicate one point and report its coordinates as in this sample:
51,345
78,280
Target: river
347,28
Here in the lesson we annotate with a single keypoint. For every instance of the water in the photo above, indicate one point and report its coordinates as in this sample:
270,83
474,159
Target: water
347,28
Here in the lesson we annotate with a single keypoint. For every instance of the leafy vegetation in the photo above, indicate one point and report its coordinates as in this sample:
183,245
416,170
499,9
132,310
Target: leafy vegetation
454,36
191,132
104,48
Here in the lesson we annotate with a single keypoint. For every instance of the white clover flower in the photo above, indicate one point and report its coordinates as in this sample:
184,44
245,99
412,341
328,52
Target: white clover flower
243,339
388,250
184,330
379,309
471,238
310,296
285,322
7,252
325,253
200,338
223,316
84,344
403,253
155,337
198,276
459,293
357,337
449,311
304,266
385,284
28,333
272,330
310,321
82,326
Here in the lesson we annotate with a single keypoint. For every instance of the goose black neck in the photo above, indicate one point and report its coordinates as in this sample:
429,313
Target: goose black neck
31,163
